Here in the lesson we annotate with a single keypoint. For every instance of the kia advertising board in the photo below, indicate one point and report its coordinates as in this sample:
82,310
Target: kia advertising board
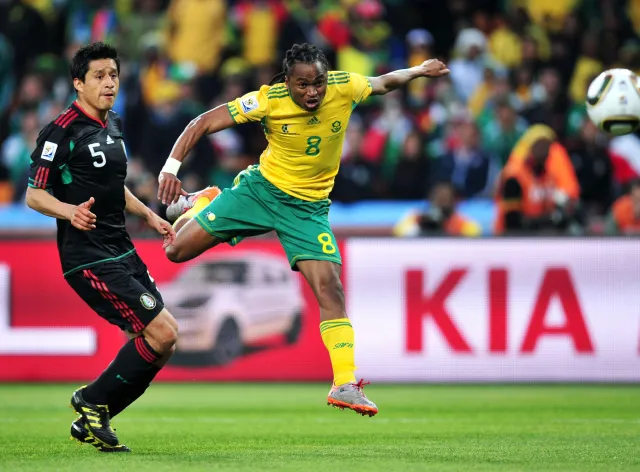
496,310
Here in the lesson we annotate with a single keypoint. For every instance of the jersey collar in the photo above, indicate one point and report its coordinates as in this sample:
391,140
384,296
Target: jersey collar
102,124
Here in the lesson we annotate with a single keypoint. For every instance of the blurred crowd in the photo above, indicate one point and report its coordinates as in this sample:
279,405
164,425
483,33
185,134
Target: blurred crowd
519,74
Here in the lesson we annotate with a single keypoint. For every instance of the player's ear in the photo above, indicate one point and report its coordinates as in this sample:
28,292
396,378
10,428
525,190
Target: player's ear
78,84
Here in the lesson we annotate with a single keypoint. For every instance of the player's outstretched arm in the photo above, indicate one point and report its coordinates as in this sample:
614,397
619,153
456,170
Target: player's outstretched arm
80,215
134,206
393,80
210,122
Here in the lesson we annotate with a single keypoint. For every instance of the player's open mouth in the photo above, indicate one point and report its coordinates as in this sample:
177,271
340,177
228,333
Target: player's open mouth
312,102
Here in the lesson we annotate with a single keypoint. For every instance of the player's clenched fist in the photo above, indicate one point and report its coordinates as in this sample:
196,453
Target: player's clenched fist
434,68
81,216
170,188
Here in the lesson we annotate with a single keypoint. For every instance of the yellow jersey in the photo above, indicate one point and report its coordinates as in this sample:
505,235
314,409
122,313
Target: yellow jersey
303,155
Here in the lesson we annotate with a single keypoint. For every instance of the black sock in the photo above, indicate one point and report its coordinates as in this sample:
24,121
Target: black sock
133,362
134,392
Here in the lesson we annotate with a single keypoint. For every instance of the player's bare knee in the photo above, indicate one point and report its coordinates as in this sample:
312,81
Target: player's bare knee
162,332
172,321
164,337
175,253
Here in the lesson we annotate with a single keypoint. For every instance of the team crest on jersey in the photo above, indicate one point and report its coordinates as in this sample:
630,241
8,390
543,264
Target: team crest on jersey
249,103
148,301
336,126
49,151
210,216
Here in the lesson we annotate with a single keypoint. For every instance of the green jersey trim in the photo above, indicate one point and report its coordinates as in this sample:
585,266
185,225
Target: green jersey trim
91,264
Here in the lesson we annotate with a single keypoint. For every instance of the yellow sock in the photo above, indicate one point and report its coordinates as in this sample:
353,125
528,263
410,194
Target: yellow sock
197,207
338,338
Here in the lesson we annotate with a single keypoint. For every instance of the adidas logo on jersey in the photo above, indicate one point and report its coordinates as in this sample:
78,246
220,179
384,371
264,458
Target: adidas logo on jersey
109,140
313,121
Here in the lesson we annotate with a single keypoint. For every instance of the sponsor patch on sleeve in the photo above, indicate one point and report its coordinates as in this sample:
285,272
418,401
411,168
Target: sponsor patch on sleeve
49,151
249,103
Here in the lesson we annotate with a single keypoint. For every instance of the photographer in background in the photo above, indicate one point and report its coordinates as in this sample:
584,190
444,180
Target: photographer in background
531,199
441,217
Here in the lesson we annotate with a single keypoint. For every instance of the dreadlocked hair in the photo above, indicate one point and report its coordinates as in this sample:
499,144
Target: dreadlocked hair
304,53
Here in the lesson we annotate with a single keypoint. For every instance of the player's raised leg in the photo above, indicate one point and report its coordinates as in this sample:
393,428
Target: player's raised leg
209,217
337,334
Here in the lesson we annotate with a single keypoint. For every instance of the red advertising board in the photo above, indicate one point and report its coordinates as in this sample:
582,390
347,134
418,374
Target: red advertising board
47,333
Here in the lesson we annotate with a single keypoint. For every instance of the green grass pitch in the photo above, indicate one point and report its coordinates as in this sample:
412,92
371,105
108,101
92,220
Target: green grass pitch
288,427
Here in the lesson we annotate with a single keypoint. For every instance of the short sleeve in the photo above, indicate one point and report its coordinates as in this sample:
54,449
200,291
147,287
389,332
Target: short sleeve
51,152
250,107
360,88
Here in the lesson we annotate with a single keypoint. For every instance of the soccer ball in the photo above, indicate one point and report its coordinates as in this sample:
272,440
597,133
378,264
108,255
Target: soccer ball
613,101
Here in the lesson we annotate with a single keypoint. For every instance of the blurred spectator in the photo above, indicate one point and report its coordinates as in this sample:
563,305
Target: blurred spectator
410,179
6,189
500,134
259,21
526,94
140,28
593,168
16,151
7,82
441,217
196,37
505,44
358,177
551,108
467,68
466,165
368,51
494,87
586,67
624,217
419,43
549,14
384,139
91,20
26,31
167,119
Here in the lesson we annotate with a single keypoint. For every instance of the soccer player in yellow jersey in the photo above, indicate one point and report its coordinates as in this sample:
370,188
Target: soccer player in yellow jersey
304,116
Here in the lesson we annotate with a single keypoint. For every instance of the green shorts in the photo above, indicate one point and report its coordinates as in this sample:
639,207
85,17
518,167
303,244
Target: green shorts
254,206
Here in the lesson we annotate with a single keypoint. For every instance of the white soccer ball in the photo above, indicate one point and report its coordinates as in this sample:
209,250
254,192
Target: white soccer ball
613,101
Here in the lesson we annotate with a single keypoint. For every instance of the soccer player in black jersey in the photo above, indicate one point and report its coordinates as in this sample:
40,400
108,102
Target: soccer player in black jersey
78,171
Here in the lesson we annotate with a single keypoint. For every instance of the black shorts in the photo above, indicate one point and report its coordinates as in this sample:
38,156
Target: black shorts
122,292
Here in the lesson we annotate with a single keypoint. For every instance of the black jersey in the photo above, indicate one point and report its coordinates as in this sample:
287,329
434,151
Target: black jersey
78,157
